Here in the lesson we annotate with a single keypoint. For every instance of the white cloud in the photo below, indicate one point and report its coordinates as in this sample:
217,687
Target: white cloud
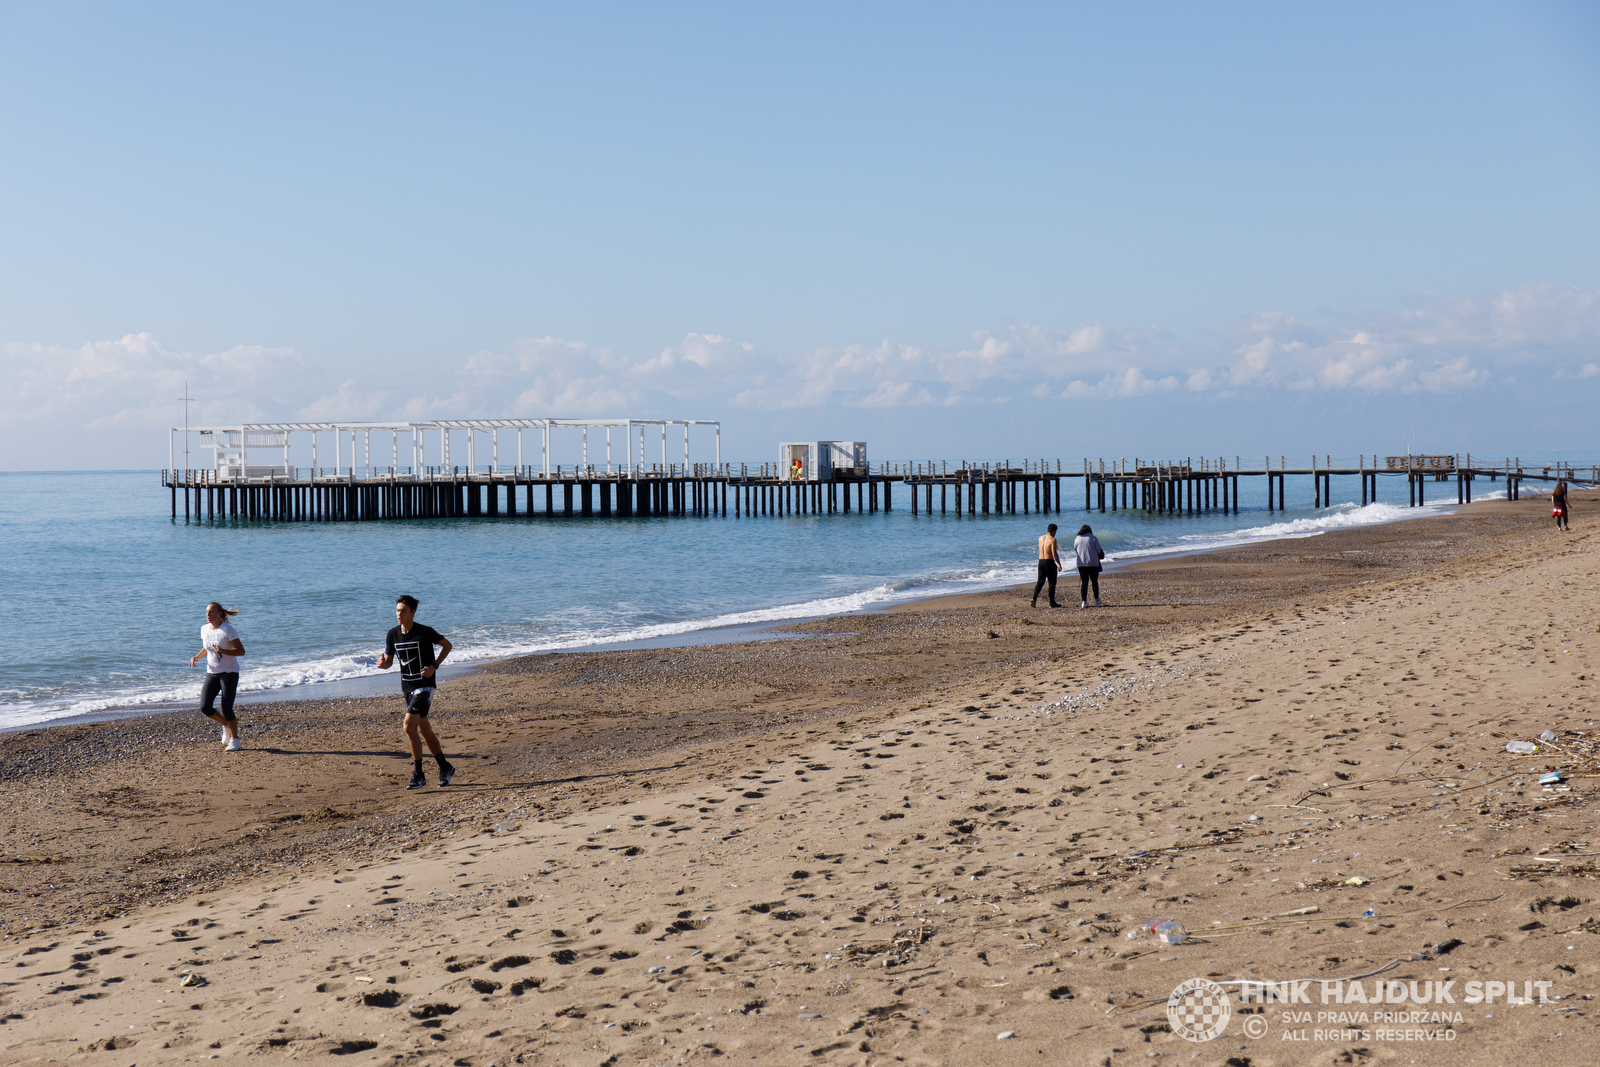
545,376
350,403
137,381
1131,382
1444,377
1437,344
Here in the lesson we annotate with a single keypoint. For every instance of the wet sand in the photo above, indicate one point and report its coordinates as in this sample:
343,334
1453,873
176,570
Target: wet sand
891,841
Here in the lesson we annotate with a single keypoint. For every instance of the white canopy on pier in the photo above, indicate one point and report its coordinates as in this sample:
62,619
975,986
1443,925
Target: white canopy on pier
232,445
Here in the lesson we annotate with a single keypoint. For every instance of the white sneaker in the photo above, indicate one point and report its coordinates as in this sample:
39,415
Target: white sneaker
1084,604
225,735
233,745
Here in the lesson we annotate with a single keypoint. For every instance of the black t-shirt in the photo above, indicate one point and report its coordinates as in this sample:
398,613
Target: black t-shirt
414,650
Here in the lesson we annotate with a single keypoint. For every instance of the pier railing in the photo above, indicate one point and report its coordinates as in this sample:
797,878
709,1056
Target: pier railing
254,475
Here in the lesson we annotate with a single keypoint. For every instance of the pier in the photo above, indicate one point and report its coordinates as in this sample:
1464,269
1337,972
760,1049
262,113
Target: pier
624,484
1211,484
621,483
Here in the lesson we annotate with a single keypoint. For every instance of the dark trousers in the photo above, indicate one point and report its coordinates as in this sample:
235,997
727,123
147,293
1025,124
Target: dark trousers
1047,573
1086,577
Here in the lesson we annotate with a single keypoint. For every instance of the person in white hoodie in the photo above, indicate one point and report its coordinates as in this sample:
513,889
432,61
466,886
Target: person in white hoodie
1089,553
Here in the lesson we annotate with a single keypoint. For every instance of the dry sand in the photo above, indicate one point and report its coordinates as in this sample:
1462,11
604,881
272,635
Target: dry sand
917,838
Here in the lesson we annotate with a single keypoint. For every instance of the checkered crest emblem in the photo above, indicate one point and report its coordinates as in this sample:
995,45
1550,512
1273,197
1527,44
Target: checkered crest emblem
1199,1010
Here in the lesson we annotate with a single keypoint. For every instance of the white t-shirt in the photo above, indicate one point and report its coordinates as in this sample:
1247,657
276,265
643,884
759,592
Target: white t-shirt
216,662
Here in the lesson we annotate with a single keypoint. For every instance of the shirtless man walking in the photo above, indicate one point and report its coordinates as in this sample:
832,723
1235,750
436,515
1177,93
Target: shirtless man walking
413,643
1049,566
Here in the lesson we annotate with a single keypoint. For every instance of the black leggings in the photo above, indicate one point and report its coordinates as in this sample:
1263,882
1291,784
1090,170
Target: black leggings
1088,576
228,685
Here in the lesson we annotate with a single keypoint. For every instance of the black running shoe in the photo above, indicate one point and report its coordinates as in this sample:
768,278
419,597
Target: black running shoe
446,773
417,781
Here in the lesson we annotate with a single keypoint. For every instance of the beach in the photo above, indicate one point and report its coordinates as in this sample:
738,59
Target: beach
918,835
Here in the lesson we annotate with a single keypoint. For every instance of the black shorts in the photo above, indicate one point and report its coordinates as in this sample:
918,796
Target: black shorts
419,698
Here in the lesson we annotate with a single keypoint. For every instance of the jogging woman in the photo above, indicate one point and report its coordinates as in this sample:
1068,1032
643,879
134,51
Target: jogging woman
222,649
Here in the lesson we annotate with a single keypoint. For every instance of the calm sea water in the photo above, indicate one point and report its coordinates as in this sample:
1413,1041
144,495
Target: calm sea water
105,592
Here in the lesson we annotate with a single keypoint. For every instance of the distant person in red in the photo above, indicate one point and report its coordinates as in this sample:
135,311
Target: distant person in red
1558,505
412,643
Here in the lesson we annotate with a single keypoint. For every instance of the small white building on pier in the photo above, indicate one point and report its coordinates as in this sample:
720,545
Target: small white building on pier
819,461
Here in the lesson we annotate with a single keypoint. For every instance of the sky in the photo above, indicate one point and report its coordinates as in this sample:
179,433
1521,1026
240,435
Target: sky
951,230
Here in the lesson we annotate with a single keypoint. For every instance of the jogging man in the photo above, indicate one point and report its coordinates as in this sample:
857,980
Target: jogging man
1049,565
412,643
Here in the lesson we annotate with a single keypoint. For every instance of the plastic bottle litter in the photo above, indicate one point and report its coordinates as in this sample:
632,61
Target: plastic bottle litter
1548,735
1521,748
1552,778
1168,930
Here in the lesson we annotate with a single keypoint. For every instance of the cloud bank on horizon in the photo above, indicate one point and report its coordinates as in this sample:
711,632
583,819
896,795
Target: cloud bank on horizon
1434,345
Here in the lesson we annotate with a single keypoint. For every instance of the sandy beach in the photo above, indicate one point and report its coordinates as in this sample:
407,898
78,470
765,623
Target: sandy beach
919,836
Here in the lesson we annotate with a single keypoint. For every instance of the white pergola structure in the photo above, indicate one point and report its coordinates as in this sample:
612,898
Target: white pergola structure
232,445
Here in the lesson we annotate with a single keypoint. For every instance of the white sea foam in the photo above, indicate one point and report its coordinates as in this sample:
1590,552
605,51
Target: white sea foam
1337,517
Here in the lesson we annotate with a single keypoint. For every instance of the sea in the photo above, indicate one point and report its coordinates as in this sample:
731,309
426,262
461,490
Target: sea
105,592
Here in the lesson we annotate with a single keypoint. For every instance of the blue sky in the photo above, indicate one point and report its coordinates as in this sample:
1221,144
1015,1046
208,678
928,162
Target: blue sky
949,229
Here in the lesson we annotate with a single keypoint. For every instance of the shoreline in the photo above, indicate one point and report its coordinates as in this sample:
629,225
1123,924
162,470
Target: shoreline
385,684
364,686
